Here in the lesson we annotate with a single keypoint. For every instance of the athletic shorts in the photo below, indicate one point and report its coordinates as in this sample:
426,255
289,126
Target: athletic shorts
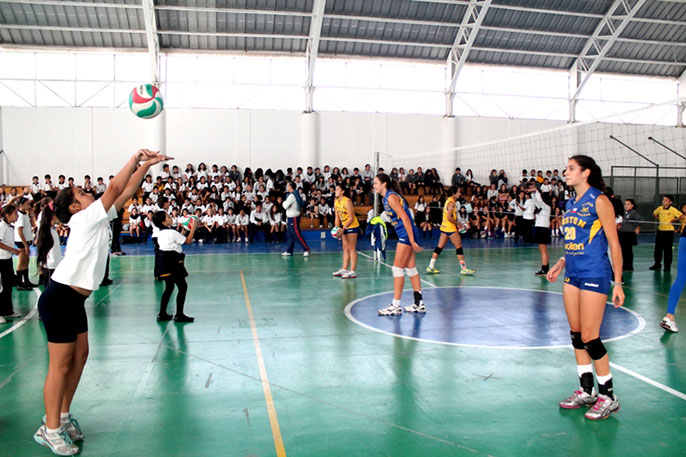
20,245
352,231
404,239
62,312
448,233
600,285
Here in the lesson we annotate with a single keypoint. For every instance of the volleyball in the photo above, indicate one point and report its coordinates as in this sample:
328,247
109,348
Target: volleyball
462,229
334,232
145,101
186,222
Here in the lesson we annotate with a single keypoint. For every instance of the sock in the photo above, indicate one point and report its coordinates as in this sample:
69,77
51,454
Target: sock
396,302
432,263
586,377
605,385
545,267
463,265
417,297
51,431
64,417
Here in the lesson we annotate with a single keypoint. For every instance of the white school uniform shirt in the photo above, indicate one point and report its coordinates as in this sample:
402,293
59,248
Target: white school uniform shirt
220,219
6,238
147,223
100,188
231,219
201,186
35,188
242,220
275,219
62,185
134,205
147,186
514,206
543,216
47,187
24,224
134,220
529,207
170,240
85,259
55,253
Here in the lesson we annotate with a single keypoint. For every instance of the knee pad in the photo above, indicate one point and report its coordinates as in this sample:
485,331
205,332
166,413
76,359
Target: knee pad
398,272
596,349
576,340
411,271
459,251
438,250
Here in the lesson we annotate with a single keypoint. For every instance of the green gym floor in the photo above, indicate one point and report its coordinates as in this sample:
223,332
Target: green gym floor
273,366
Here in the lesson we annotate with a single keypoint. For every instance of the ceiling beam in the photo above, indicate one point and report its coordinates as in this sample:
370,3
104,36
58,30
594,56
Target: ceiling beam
604,36
462,46
312,50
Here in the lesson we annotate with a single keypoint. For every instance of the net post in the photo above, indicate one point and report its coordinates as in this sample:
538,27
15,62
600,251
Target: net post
376,195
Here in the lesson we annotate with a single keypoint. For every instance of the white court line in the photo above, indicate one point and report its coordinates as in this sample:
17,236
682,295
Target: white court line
25,318
632,373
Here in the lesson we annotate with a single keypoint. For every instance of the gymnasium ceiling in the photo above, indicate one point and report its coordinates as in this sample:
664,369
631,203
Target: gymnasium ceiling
531,33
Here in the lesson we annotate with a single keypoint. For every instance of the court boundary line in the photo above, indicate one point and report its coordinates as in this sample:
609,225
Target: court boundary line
25,319
624,370
273,420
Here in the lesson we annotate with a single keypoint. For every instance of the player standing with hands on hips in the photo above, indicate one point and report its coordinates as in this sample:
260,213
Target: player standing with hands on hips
589,228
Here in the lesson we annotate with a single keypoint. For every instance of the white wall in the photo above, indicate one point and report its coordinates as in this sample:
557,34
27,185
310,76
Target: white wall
97,141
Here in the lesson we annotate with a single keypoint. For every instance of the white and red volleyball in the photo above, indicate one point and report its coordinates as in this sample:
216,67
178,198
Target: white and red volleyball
145,101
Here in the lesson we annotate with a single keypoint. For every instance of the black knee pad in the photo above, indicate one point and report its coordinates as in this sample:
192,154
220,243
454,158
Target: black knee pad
596,349
438,250
459,251
576,340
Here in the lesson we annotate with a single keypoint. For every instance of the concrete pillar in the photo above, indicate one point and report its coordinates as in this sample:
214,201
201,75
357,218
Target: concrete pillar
681,113
156,137
309,140
449,160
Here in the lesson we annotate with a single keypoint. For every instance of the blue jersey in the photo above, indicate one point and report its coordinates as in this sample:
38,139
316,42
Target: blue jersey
585,241
396,222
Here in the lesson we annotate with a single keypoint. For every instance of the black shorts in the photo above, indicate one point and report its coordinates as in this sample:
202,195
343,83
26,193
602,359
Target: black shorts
63,313
20,245
541,235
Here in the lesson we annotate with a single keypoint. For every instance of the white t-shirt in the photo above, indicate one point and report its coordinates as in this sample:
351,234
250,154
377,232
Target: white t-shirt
170,240
24,224
242,220
55,253
6,238
148,186
89,241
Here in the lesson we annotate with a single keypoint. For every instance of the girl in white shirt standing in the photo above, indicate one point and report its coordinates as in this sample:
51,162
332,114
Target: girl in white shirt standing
61,305
23,236
48,242
171,265
8,215
542,228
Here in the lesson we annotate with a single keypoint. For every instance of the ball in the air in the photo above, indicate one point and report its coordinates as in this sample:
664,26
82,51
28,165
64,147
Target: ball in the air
145,101
334,232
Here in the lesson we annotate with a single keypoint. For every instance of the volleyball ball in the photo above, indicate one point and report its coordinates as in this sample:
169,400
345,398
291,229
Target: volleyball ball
145,101
334,232
462,229
186,222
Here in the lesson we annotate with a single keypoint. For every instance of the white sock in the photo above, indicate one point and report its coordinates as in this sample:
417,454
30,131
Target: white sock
603,379
582,369
51,431
396,302
432,263
64,417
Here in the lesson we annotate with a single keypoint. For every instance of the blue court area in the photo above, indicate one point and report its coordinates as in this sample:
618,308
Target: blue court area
487,317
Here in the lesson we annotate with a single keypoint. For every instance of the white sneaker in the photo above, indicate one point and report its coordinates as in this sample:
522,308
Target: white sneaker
59,442
669,325
416,308
71,426
340,272
286,254
306,254
350,275
390,310
2,320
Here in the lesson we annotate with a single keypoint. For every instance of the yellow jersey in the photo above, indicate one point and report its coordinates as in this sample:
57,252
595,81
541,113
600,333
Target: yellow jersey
665,216
341,206
446,225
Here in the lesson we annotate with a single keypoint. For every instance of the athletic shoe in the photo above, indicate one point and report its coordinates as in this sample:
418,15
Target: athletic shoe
286,254
31,285
669,324
349,275
603,408
14,315
390,310
655,267
432,270
306,254
106,282
541,273
2,320
183,318
164,317
340,272
416,308
59,442
71,426
579,398
467,272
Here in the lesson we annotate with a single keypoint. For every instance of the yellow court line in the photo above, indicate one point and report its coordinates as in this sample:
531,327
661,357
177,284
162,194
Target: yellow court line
276,431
